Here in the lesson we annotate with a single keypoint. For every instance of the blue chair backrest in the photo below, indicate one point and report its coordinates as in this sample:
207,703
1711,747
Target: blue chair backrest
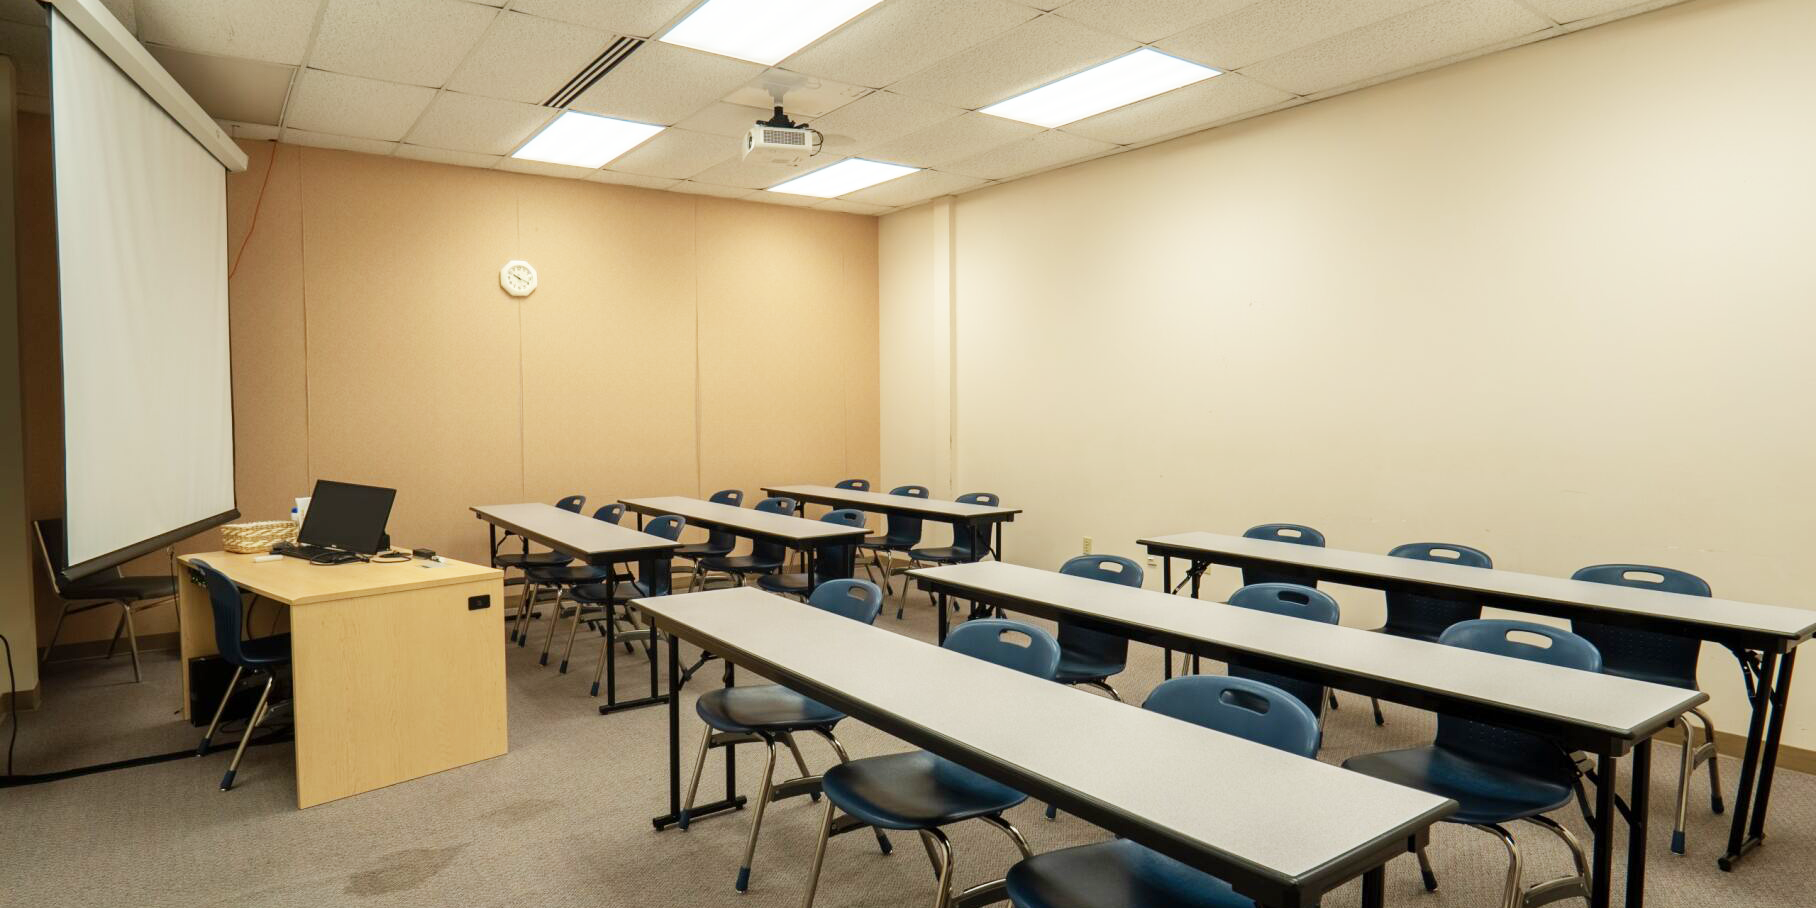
611,513
725,539
1010,644
1631,650
1098,646
963,538
668,526
224,600
855,485
1296,601
837,561
572,503
1423,616
859,600
1242,707
1534,755
904,530
766,549
1296,533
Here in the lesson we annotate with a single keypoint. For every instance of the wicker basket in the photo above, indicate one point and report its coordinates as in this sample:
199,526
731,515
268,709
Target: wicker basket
258,536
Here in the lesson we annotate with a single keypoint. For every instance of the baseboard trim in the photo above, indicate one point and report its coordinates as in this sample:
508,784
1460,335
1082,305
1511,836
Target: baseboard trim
28,700
95,649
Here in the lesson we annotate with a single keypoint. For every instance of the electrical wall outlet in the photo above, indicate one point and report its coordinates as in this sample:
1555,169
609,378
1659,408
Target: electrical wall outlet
1153,562
1087,545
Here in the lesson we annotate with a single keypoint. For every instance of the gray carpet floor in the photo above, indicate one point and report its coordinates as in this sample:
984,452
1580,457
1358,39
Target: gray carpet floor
563,819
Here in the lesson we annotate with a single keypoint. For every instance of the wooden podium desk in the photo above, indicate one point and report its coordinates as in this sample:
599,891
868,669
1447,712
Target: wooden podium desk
397,671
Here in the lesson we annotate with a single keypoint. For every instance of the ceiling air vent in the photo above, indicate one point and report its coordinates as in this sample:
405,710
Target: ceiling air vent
594,71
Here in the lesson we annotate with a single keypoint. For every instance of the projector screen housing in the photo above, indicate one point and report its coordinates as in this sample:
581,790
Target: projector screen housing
142,277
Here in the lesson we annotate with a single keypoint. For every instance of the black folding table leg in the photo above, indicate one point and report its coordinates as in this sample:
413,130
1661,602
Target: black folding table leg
1197,575
731,801
1601,865
939,607
1374,888
1749,762
1639,801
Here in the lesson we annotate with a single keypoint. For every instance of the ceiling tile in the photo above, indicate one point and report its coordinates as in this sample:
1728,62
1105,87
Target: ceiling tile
351,106
228,88
340,143
915,188
1422,36
482,125
951,140
523,58
1270,29
722,119
543,168
444,156
853,207
877,118
662,83
1207,102
902,37
415,41
275,31
631,179
1148,20
758,175
1028,57
1049,149
640,18
677,154
256,131
725,192
1572,10
803,97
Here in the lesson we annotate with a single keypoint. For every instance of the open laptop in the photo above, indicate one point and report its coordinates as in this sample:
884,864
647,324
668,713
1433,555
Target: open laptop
346,522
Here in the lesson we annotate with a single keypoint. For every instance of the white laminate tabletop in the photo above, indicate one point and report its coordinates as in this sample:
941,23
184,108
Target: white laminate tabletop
1616,706
568,532
929,507
746,520
1237,800
1772,620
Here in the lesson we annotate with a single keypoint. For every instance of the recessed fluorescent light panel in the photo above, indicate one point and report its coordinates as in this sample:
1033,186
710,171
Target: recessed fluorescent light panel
584,140
1107,86
849,175
762,31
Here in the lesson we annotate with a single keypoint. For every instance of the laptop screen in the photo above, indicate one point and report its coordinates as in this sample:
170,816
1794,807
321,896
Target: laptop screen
347,516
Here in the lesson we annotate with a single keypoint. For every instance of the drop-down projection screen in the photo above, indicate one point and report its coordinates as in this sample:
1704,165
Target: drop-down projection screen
142,272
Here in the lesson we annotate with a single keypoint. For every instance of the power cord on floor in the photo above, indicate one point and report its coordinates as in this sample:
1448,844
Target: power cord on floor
12,704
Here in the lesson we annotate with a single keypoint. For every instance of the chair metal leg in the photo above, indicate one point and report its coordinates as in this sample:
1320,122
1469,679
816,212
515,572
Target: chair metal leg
756,820
202,749
132,641
573,629
54,633
1510,895
838,749
548,640
937,843
819,855
1333,698
113,645
1104,685
1688,765
1009,830
1570,887
525,604
258,715
1707,752
800,761
1379,719
693,787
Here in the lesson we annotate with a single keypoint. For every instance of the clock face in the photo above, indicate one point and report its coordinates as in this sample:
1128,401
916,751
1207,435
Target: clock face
518,278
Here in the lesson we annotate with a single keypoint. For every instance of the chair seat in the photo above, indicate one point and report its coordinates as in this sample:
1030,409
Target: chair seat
622,591
1115,874
914,791
272,650
533,559
884,543
130,589
944,554
739,564
766,707
791,584
1076,668
1485,793
702,550
566,575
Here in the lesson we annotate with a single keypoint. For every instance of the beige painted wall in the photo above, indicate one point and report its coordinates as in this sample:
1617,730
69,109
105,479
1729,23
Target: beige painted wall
1554,302
17,621
678,344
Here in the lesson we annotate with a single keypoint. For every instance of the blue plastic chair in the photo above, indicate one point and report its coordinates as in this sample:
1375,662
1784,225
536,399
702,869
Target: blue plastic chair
258,656
921,792
966,547
525,560
1295,601
853,485
1091,657
603,601
1122,874
562,578
901,533
1296,533
833,562
765,556
718,541
768,714
1499,775
1425,616
1661,659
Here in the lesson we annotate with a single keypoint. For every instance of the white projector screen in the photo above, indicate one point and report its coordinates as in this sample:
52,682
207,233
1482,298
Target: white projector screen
142,269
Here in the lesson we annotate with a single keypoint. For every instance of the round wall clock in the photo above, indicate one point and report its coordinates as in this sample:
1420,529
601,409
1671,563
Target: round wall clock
518,278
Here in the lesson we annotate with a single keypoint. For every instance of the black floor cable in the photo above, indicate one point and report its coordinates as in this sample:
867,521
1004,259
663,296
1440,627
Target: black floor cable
12,705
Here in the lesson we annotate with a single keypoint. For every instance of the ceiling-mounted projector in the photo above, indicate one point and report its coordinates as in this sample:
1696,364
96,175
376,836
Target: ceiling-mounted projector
779,140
